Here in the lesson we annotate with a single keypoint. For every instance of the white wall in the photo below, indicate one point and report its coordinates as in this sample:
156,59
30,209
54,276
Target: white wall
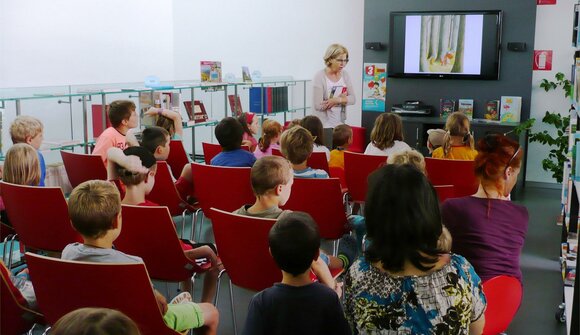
553,32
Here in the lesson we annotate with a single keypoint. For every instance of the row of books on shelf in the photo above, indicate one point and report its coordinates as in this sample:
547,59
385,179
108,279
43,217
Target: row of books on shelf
508,109
569,259
266,100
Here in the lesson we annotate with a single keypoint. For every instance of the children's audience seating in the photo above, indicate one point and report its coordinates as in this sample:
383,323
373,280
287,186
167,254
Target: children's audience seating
458,173
82,167
177,157
148,232
226,188
64,286
357,168
317,160
504,296
358,139
39,215
16,318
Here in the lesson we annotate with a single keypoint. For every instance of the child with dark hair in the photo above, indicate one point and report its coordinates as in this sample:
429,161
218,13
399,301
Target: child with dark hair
341,139
229,133
407,271
296,305
249,122
95,212
313,124
88,320
123,117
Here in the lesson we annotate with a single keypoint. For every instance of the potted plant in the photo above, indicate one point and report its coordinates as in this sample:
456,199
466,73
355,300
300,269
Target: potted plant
558,142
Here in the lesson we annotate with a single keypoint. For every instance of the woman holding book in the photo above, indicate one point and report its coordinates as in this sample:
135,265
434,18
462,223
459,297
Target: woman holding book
332,88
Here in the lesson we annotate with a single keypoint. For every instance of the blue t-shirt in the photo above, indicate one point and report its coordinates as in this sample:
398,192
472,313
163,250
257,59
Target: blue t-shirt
311,173
234,158
42,169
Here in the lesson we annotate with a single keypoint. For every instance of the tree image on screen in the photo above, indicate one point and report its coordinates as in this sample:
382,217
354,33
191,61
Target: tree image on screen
442,43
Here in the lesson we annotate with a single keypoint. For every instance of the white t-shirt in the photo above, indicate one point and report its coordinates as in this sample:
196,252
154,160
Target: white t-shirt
397,147
331,118
321,148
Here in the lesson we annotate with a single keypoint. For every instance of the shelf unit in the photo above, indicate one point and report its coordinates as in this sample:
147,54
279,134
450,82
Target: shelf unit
12,100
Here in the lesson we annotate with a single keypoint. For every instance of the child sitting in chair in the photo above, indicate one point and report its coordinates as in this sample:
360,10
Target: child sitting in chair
296,145
229,134
341,139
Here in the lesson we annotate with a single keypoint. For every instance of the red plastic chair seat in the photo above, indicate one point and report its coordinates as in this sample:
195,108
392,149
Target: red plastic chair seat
444,192
177,158
458,173
358,139
82,167
504,296
357,168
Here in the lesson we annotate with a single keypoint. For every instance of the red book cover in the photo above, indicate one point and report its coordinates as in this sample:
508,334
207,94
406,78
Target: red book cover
235,104
269,107
189,110
97,117
199,113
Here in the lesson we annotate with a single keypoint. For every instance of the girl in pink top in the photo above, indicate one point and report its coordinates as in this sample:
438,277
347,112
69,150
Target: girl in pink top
271,131
249,122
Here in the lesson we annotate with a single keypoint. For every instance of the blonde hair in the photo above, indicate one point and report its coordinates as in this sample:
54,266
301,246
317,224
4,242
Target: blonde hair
410,157
333,51
22,166
270,130
93,207
445,240
388,128
296,144
457,125
91,320
268,172
25,126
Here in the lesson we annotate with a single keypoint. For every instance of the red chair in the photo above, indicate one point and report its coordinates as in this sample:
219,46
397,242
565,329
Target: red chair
16,317
358,139
226,188
164,193
317,160
336,172
504,296
177,158
357,168
210,150
323,200
124,287
39,215
444,192
148,232
458,173
82,167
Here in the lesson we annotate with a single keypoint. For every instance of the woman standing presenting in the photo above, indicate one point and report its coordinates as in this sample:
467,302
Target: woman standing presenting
332,88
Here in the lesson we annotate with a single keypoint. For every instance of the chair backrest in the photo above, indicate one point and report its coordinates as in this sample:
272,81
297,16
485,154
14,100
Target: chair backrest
337,172
82,167
444,192
39,215
16,318
504,295
322,199
64,286
210,150
164,192
358,139
177,158
317,160
148,232
242,242
357,168
226,188
458,173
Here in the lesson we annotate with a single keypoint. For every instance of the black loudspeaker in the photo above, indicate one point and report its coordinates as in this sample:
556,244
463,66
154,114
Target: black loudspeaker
374,46
516,46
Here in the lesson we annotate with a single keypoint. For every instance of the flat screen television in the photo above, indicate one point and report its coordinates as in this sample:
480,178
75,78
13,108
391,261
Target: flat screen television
445,44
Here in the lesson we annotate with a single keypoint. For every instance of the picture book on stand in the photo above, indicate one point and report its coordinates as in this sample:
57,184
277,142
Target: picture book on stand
465,106
446,107
374,87
211,71
337,91
246,77
510,109
492,110
235,104
197,114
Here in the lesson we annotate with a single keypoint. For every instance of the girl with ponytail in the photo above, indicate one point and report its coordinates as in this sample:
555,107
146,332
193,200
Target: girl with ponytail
271,131
458,141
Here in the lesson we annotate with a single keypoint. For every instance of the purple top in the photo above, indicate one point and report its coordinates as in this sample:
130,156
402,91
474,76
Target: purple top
491,240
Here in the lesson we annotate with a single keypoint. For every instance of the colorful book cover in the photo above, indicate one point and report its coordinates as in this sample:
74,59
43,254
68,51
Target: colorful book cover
510,109
374,87
199,113
492,110
146,101
465,106
336,91
446,107
211,71
235,104
246,77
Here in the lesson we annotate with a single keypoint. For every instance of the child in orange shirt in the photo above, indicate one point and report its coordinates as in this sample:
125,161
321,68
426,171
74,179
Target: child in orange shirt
458,141
341,139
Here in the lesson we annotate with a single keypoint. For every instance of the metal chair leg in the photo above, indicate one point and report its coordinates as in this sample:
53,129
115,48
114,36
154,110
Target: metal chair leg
183,215
233,308
192,289
11,251
46,332
201,226
217,293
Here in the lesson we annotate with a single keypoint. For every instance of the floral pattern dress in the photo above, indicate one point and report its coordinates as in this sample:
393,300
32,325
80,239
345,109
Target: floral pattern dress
443,302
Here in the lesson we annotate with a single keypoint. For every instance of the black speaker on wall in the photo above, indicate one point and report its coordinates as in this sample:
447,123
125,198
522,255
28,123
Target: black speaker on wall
375,46
516,46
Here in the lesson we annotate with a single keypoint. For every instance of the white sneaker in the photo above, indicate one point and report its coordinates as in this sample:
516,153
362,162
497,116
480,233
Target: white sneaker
181,298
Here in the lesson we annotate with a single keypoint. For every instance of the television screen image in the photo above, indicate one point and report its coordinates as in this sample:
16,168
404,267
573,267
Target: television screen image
464,45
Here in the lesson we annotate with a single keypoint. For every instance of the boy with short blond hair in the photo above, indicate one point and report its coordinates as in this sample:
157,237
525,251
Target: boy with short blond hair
341,139
123,117
95,212
296,145
28,129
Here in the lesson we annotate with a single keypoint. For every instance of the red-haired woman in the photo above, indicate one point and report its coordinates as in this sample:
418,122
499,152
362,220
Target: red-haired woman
487,227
